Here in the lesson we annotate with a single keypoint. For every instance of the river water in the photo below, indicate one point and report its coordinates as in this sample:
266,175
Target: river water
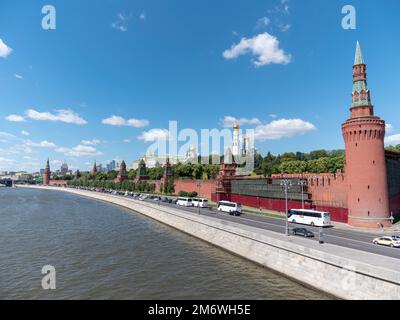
102,251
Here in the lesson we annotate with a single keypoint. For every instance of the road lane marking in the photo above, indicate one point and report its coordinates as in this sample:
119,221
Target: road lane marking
225,215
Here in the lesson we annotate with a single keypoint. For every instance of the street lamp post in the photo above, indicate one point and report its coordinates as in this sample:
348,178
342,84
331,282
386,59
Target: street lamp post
302,183
198,183
286,184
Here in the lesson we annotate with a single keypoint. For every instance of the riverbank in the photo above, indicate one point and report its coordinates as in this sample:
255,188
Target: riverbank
342,272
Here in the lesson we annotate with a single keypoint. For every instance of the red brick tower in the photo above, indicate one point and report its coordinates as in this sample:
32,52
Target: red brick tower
363,133
94,170
141,174
123,174
46,175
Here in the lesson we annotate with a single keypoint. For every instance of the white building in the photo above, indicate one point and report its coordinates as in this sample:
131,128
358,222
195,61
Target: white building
235,141
241,145
154,161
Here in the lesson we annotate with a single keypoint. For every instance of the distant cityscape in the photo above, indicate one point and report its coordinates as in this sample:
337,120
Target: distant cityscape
23,176
240,146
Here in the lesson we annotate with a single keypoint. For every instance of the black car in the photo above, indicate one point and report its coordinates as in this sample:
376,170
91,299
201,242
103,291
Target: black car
302,232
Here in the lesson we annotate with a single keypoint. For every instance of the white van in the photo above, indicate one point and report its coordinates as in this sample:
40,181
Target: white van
232,208
200,202
184,202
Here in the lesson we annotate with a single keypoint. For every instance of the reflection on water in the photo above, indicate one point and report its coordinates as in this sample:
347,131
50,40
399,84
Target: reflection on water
102,251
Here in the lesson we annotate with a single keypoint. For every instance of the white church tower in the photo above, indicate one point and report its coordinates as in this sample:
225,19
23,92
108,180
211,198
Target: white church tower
236,141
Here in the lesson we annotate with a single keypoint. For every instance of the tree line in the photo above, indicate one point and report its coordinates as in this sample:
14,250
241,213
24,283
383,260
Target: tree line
318,161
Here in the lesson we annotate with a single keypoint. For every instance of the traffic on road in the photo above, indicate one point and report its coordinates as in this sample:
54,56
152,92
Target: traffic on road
317,225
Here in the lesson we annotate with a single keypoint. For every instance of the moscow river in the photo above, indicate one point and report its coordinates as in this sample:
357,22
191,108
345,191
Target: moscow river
101,251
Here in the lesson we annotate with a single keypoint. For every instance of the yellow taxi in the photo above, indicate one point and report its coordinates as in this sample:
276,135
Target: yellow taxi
393,242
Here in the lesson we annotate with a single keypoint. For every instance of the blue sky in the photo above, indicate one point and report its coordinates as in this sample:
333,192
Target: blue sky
282,67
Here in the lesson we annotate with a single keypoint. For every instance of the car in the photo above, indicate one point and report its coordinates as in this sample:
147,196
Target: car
302,232
389,241
166,200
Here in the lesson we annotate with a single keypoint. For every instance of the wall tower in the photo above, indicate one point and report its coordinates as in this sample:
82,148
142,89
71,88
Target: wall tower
364,133
46,175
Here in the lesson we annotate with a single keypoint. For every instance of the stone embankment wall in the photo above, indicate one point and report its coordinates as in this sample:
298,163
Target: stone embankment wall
343,272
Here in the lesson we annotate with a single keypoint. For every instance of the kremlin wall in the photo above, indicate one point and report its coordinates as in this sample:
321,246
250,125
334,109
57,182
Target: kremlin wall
366,194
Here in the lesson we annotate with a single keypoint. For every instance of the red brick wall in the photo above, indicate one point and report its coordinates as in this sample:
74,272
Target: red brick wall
207,187
58,183
394,205
326,189
337,214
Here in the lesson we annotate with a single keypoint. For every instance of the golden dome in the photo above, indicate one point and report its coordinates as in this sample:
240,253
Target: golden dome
235,125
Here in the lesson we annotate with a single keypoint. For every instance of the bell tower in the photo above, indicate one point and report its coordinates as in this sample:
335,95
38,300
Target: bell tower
364,133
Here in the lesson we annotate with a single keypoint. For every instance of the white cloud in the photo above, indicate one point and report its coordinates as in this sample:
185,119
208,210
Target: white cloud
7,164
15,118
264,47
263,22
284,27
283,128
6,137
92,142
5,50
121,23
127,140
16,149
62,115
273,116
228,121
119,121
80,151
142,16
285,6
119,27
25,133
18,76
154,135
42,144
393,139
25,163
389,128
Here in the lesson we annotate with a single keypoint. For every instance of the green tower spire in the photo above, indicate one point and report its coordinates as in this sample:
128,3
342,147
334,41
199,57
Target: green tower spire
358,59
361,94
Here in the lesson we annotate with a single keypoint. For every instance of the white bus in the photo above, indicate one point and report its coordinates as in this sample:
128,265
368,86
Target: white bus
200,202
232,208
184,202
309,217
